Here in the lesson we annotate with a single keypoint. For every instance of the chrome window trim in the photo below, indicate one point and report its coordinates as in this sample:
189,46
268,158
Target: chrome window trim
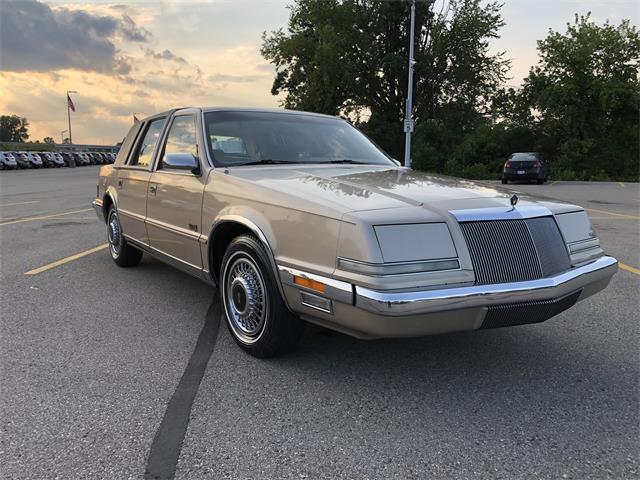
501,213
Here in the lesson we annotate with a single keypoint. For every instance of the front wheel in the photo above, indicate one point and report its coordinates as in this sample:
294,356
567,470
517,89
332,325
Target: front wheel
121,252
257,317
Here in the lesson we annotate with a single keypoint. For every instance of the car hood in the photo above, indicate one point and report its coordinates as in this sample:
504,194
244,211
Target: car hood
349,188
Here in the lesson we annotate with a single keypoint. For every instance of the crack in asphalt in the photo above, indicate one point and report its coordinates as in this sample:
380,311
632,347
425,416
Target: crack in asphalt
167,443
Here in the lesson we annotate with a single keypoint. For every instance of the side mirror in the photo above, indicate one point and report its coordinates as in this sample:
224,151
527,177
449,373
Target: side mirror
181,161
396,162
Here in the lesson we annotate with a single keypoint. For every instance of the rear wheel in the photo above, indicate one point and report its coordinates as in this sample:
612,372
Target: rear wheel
505,181
121,252
257,317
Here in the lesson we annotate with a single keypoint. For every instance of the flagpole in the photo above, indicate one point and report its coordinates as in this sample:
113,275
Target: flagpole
408,118
69,115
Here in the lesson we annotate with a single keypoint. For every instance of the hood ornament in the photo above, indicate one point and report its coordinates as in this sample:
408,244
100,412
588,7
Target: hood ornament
514,201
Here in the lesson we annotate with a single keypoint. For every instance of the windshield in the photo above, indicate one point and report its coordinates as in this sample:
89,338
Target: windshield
240,138
524,157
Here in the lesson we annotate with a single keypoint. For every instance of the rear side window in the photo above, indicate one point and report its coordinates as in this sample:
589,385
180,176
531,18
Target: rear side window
144,153
126,144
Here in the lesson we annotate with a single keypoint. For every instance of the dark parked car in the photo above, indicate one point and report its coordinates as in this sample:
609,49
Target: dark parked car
22,159
68,159
7,161
51,159
81,159
526,166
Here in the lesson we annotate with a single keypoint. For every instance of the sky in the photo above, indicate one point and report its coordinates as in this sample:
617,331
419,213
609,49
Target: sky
143,57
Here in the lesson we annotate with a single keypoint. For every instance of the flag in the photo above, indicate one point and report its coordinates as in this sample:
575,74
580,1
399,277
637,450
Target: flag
135,119
70,103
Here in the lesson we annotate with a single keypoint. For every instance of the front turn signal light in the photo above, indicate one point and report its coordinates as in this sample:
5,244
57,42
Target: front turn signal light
308,283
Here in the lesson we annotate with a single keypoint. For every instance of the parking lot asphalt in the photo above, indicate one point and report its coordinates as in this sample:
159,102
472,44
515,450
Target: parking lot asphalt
92,358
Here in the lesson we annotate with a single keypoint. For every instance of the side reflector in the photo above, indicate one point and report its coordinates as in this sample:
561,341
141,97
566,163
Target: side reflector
308,283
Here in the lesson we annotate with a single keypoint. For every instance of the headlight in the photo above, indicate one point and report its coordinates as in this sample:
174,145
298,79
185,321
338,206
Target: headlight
407,249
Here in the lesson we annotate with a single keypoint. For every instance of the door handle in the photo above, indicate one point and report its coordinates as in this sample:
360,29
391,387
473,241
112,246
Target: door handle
153,189
119,183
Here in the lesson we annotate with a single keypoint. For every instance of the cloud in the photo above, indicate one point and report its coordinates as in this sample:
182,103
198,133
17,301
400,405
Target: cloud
164,55
35,37
226,78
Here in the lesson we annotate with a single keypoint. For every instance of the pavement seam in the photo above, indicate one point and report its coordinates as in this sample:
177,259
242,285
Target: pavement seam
167,443
10,221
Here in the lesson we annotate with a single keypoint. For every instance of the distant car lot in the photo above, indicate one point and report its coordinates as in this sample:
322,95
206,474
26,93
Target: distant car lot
91,356
13,160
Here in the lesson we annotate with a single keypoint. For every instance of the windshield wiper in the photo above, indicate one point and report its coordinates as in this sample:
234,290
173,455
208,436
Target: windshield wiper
347,160
267,161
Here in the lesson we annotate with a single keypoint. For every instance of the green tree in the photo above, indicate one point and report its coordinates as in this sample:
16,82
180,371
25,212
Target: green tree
13,128
49,140
349,57
585,92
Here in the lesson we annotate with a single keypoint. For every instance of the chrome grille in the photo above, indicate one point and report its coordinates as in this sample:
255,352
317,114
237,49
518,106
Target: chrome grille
515,250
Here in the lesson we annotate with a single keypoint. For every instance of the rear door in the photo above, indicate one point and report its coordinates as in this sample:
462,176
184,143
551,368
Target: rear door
174,203
133,180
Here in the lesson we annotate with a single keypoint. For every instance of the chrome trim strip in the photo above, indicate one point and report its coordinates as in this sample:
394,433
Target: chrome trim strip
160,252
421,302
173,229
134,216
336,289
500,213
582,245
135,241
376,269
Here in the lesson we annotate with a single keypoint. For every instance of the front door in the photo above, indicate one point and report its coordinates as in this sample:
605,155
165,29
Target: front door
133,181
174,202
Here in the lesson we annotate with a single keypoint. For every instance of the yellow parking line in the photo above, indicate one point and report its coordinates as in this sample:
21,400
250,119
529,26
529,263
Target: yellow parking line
57,263
42,217
17,203
634,217
629,269
621,184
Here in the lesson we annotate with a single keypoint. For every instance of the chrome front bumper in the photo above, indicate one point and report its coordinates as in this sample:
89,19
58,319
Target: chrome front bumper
373,314
97,207
414,303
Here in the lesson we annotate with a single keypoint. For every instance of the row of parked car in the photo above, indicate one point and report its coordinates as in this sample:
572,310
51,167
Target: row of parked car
13,160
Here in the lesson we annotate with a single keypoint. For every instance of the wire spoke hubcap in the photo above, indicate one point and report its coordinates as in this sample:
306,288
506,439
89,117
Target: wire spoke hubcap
114,234
245,299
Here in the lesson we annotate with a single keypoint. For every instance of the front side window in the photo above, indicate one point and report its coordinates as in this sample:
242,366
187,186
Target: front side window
241,138
181,137
144,154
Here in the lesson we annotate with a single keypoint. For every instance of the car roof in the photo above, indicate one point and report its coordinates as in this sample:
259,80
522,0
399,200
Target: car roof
239,109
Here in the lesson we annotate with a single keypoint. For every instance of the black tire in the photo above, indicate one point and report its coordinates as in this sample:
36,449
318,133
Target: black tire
123,254
505,181
255,313
540,181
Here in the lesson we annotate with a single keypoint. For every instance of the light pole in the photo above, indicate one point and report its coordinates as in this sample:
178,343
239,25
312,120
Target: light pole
62,135
408,117
70,106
